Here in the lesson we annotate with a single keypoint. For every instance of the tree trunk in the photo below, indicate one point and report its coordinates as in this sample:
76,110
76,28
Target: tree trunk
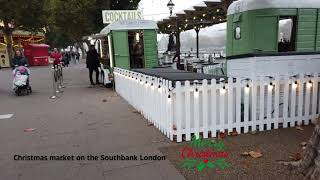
7,31
310,164
83,51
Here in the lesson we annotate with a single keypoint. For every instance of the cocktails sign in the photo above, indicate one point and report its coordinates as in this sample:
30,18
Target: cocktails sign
120,15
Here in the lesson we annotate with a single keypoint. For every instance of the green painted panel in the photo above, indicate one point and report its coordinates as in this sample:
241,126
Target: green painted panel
307,28
266,34
318,32
150,48
121,49
306,32
229,45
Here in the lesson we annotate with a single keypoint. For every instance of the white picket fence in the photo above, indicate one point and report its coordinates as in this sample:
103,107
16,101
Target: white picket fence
205,108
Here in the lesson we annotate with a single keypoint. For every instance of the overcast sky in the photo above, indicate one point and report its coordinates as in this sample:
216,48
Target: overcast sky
157,10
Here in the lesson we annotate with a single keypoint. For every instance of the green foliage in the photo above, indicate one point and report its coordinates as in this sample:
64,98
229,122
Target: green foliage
30,15
66,22
75,19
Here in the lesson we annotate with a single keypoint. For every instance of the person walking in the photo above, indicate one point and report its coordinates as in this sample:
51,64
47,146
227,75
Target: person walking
78,57
18,60
93,63
56,56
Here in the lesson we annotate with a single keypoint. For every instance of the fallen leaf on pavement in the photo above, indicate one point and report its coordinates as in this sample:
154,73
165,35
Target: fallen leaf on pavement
245,154
246,164
254,132
221,135
295,157
29,130
299,128
255,154
234,133
104,100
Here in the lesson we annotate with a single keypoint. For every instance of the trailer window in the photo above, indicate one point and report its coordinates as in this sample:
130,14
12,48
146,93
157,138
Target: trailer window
237,32
287,34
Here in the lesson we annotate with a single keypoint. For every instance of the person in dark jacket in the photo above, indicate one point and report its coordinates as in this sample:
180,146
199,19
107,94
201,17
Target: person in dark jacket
93,63
18,60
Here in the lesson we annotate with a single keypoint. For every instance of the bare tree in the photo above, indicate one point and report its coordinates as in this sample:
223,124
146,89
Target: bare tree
309,165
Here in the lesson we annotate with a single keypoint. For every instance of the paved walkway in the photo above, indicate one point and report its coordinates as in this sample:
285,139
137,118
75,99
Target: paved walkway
82,121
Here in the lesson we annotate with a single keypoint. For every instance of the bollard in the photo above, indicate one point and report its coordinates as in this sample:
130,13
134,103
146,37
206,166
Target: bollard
54,96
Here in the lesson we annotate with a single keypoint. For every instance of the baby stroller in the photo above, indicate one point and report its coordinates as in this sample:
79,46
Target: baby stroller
21,84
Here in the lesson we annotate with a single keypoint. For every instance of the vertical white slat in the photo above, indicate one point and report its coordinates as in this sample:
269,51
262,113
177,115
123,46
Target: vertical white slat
159,95
155,95
269,105
153,99
196,113
205,108
246,111
178,110
286,102
222,96
164,84
276,102
170,106
293,104
307,103
254,105
161,102
315,97
213,111
188,111
238,105
300,99
230,110
261,107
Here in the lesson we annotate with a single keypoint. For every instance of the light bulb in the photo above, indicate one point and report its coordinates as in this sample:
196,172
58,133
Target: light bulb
247,88
309,84
295,85
223,90
270,87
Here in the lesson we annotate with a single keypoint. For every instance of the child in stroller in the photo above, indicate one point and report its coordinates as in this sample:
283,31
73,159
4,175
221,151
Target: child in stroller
21,80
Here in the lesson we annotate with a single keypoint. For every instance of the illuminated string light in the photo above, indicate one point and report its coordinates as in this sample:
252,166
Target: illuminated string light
270,87
295,85
223,90
247,88
309,84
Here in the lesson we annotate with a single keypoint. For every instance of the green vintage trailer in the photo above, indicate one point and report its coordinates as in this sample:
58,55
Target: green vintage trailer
266,37
122,38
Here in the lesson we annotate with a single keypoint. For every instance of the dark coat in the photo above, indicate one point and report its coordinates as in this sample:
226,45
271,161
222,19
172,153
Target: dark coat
93,59
18,61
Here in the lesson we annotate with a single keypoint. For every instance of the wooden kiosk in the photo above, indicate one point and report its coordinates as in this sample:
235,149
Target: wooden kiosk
123,38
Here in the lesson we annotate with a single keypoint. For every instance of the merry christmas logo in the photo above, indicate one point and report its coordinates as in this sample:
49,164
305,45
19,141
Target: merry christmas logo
204,153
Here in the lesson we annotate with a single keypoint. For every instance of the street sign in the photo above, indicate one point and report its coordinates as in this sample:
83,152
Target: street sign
120,15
